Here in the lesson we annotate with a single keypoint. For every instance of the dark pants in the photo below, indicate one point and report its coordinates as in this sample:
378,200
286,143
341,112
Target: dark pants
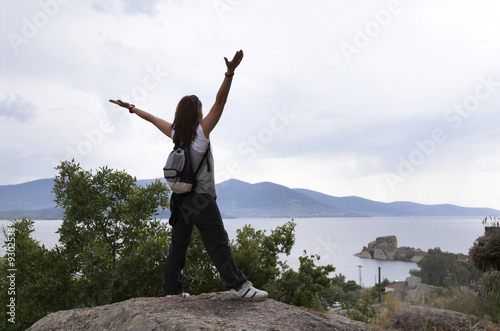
200,210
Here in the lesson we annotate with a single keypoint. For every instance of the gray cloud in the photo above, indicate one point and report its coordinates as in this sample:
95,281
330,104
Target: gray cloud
354,119
146,6
17,108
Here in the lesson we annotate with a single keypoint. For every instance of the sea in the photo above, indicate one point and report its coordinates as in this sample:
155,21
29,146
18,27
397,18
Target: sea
336,240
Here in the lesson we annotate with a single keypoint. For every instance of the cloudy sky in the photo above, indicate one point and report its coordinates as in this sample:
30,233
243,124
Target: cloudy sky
387,100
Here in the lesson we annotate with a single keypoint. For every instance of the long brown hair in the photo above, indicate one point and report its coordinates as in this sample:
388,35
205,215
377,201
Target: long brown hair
187,118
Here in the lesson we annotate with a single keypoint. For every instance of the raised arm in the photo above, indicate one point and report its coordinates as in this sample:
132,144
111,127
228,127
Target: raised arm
213,116
161,124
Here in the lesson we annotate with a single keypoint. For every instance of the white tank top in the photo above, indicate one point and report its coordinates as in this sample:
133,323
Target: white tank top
205,178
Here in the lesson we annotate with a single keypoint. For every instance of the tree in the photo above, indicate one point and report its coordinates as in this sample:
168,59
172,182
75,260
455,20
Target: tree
331,294
114,247
443,269
379,288
351,286
485,252
258,254
32,279
485,257
300,287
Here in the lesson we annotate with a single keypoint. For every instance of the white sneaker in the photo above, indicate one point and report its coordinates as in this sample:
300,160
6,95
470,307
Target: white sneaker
248,292
182,295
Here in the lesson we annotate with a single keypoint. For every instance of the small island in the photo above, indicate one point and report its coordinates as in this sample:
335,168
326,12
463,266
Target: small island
386,248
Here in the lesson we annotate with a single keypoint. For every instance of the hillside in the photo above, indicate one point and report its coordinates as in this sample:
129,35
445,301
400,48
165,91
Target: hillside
240,199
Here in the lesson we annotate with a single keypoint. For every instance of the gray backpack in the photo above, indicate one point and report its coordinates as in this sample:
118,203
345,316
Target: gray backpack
179,170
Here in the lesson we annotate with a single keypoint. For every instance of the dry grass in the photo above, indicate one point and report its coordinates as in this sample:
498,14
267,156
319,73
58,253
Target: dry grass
463,301
384,314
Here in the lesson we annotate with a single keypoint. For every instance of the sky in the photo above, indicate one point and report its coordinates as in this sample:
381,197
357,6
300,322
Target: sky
386,100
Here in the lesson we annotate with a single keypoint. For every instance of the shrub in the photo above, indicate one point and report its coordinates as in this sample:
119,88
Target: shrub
484,252
392,305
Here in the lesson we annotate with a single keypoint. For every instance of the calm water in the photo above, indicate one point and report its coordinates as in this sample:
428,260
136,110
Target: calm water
336,240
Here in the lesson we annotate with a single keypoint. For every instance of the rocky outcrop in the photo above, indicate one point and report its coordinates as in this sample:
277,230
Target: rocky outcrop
423,318
383,248
386,245
386,248
211,311
412,290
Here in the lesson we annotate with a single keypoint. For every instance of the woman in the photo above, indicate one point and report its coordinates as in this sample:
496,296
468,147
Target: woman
199,208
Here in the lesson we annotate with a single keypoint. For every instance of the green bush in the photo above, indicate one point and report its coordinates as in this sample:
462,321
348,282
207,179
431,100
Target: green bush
484,255
484,252
363,310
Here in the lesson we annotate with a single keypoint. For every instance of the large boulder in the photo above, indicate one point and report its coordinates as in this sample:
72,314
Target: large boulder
423,318
379,254
211,311
388,245
413,282
412,290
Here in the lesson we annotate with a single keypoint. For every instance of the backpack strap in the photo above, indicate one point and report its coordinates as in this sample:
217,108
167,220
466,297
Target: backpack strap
203,160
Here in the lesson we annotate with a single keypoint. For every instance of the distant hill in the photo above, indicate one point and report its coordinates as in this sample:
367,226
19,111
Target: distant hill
267,199
31,195
240,199
398,208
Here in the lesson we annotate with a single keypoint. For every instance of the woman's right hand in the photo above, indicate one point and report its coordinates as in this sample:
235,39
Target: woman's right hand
120,103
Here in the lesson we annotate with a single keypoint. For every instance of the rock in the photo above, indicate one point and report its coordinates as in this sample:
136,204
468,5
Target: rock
211,311
388,245
423,318
364,255
417,258
412,290
379,254
383,248
413,282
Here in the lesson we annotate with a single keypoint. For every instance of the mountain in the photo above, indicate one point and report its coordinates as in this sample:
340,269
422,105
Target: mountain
398,208
240,199
32,199
266,199
31,195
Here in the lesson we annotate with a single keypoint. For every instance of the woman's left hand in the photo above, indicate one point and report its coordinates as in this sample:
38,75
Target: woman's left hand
234,63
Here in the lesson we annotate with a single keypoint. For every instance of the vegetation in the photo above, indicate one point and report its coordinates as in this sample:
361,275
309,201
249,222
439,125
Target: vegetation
112,248
385,313
363,310
33,282
444,269
484,253
492,221
485,257
472,287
